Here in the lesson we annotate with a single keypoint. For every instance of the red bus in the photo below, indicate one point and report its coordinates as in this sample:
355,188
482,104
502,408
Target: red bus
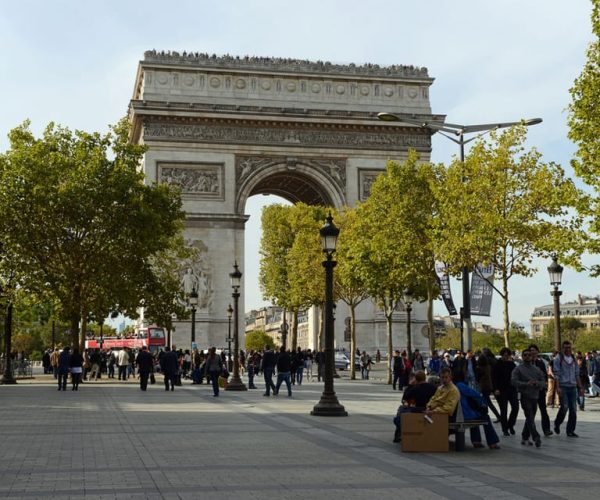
154,337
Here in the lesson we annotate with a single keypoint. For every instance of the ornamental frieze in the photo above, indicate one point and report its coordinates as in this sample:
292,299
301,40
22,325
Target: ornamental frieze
229,134
198,179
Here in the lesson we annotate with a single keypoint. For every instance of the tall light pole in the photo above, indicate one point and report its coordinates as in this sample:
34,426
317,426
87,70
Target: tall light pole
193,302
459,131
555,271
229,339
329,406
408,298
236,383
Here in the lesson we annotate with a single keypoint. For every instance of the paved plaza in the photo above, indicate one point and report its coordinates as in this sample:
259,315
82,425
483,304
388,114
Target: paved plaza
111,440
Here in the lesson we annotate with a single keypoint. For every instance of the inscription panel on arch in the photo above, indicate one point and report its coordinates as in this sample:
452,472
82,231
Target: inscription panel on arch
195,179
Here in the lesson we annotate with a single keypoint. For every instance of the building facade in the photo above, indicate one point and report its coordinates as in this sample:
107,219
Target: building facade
585,309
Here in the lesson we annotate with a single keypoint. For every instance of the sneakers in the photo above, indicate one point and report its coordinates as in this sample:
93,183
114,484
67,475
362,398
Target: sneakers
538,442
572,435
528,442
548,433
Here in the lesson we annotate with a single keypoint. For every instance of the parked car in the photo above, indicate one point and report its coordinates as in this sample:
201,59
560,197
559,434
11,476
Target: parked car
342,361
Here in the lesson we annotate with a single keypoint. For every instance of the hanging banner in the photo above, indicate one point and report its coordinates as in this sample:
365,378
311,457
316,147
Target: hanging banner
444,283
482,290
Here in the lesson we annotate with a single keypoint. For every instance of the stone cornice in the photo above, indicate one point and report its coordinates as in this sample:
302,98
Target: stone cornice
144,107
283,65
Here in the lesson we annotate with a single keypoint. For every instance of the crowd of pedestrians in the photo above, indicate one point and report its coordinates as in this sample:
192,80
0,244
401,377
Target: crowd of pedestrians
528,383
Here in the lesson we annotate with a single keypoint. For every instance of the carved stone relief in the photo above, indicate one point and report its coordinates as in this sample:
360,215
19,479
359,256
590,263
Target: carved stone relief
218,133
201,275
366,178
195,179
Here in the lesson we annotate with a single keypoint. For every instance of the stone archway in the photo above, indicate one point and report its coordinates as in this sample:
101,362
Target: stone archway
225,128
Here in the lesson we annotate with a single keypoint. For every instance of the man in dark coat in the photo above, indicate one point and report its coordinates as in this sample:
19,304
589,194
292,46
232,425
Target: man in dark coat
268,366
168,366
64,360
145,365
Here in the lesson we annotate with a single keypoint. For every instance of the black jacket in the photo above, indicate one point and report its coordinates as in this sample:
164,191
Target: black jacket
145,362
284,363
168,363
269,360
501,373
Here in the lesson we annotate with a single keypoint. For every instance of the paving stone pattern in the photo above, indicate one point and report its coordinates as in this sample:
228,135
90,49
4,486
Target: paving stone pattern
109,440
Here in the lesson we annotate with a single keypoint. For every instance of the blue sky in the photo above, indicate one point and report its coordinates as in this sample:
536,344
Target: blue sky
74,63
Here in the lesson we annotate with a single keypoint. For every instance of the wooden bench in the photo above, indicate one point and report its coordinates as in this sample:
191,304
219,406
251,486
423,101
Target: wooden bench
458,427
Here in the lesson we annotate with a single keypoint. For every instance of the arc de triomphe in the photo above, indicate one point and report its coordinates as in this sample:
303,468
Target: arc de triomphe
227,128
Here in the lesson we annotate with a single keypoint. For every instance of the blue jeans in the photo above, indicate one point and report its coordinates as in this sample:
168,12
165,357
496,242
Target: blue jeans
214,378
568,402
268,374
283,377
490,433
299,373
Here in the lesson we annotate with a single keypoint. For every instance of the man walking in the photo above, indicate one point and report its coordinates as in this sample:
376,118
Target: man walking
268,365
398,370
145,366
535,359
123,363
529,380
284,364
567,383
169,368
62,368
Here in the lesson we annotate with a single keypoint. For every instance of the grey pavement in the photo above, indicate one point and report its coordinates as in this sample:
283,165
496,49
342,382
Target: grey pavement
110,440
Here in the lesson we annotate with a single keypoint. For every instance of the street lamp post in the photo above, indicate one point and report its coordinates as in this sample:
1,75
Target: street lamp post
229,339
459,132
408,298
193,302
555,271
236,383
329,406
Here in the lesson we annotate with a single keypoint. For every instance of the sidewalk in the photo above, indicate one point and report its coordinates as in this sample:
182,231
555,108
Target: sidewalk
110,440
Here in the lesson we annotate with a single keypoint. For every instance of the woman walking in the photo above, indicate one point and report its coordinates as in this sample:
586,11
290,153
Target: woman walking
76,366
214,368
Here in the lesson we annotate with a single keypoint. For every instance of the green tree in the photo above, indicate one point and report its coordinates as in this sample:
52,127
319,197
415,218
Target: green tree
523,206
395,247
81,223
570,328
290,272
257,339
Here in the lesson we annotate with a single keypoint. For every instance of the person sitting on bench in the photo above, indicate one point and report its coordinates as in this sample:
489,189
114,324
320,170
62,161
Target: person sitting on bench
473,407
446,396
415,399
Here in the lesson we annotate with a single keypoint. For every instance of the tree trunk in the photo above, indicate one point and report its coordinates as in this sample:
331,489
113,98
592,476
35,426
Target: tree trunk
82,335
352,341
74,328
506,317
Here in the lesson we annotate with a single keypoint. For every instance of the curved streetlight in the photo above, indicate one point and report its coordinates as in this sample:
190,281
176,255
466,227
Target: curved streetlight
449,130
555,271
328,405
236,383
